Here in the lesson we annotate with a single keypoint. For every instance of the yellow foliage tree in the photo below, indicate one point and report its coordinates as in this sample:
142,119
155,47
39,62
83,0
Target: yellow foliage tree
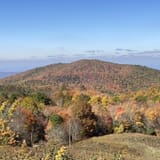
95,100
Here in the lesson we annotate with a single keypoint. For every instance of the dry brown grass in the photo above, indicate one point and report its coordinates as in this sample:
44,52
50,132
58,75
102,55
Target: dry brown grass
129,146
111,147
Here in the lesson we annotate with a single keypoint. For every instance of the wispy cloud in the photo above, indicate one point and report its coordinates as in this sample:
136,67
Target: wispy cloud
155,53
125,50
131,52
95,51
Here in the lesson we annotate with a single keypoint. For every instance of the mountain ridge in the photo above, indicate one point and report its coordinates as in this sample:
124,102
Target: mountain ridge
101,76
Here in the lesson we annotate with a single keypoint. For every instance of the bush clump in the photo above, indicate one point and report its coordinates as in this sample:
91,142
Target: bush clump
56,119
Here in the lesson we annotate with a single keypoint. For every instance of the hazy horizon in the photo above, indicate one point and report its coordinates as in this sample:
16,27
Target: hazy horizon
37,33
27,64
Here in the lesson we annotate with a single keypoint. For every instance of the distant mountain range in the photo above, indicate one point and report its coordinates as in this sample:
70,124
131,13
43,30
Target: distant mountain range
94,75
6,74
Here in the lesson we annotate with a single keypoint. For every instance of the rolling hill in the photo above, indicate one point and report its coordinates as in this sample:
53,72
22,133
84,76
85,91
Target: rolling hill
94,75
118,147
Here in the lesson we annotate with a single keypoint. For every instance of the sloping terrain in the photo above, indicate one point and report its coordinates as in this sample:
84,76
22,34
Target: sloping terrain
123,146
110,147
88,74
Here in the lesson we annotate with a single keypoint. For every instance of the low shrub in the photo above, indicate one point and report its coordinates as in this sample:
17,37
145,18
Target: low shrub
56,119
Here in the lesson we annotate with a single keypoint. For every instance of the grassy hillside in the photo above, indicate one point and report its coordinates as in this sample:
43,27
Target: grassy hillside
88,74
110,147
122,146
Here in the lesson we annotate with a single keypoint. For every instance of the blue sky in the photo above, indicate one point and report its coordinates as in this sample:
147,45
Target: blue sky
40,30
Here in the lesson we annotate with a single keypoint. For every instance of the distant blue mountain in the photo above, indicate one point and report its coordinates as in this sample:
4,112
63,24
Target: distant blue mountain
6,74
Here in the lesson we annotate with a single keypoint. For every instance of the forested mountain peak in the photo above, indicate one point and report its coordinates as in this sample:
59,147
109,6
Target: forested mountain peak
86,74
